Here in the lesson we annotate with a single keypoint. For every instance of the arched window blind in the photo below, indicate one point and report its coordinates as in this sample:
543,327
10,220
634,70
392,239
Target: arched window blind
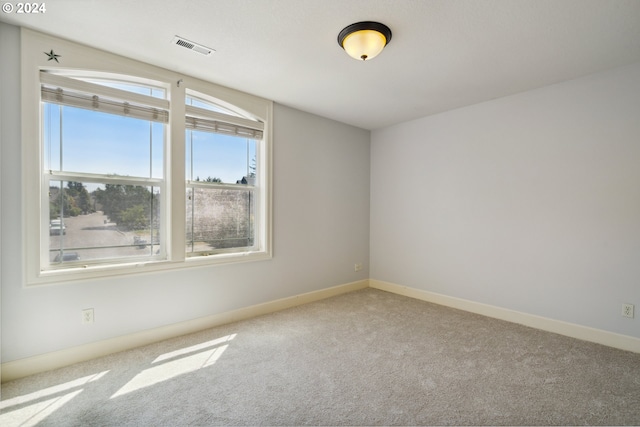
77,93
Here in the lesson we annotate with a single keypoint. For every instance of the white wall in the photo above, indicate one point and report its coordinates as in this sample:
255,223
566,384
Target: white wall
530,202
10,245
321,228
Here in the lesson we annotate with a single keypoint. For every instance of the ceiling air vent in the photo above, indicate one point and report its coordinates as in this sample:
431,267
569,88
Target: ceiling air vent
180,41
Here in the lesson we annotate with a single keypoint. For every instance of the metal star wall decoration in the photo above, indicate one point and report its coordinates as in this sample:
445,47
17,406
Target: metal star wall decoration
53,56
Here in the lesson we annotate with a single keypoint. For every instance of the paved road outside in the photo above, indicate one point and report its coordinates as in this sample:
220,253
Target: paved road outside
87,235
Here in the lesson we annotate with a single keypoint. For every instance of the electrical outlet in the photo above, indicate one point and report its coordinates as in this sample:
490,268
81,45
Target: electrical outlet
627,310
87,316
357,267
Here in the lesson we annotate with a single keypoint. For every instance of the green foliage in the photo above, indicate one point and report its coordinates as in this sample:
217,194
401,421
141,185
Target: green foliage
129,206
81,197
209,179
134,218
252,168
72,201
58,203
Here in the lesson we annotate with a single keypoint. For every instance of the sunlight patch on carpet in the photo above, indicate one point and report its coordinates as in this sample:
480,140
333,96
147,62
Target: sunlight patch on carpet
30,409
193,348
176,363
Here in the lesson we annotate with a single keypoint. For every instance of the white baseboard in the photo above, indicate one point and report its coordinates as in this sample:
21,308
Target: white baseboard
58,359
611,339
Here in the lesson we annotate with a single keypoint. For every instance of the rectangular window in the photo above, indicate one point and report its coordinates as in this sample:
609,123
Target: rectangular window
222,179
103,173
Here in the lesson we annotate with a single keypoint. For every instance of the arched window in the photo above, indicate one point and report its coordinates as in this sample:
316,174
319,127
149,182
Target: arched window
223,178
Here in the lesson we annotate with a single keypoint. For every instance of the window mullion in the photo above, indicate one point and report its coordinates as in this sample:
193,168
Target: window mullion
175,165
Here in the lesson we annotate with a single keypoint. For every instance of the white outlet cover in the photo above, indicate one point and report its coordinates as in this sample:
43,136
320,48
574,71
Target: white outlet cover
87,316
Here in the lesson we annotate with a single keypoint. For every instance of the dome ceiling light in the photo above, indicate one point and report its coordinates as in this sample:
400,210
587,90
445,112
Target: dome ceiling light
364,40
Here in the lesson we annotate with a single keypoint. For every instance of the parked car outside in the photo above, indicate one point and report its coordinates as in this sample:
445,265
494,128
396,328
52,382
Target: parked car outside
57,227
67,256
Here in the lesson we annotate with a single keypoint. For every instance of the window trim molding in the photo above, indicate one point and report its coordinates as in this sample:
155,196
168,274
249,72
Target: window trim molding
84,59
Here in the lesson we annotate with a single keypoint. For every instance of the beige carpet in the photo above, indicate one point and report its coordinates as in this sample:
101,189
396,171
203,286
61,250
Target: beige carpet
363,358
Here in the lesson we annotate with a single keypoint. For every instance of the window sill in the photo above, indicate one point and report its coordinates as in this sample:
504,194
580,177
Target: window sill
91,272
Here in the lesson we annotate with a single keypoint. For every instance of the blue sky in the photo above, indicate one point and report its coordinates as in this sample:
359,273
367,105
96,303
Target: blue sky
109,144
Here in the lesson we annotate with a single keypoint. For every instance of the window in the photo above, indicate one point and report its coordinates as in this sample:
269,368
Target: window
133,168
103,171
222,179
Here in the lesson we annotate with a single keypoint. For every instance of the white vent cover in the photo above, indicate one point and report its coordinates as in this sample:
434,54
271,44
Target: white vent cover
181,41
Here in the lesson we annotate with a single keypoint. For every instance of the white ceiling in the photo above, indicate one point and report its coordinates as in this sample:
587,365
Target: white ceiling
444,54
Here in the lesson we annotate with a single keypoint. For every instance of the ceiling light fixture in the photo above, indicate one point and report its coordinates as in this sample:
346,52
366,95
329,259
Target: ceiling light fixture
364,40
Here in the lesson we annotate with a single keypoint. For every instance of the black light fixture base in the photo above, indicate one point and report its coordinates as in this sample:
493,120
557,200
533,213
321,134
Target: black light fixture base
364,25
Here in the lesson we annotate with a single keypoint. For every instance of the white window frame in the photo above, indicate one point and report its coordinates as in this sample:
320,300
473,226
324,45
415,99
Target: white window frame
238,125
73,91
81,60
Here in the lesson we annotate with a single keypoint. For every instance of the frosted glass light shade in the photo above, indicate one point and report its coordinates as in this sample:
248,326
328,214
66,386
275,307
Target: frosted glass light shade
364,40
364,44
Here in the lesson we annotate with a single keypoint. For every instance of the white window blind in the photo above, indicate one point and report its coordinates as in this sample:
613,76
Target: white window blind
77,93
211,121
